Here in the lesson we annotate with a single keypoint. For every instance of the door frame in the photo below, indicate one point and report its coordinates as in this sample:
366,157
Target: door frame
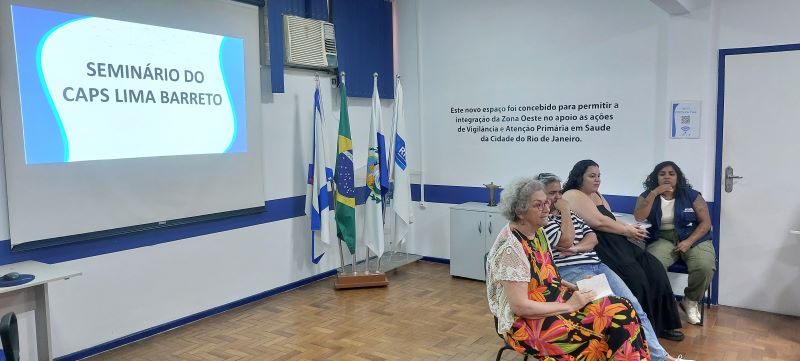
717,206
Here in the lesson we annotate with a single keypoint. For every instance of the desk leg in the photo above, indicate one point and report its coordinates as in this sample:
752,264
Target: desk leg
42,315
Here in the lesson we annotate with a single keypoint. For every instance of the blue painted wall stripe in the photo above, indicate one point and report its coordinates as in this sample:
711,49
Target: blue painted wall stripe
461,194
276,210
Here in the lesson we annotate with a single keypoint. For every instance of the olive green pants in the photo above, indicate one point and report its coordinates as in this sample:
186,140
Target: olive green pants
700,260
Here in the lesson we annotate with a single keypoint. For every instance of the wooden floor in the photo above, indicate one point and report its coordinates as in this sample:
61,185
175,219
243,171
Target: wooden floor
424,314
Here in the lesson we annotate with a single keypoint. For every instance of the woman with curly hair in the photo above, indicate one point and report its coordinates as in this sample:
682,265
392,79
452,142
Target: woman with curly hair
681,229
537,312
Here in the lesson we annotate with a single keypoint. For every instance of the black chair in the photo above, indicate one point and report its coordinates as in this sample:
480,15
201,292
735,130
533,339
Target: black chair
9,336
680,267
505,345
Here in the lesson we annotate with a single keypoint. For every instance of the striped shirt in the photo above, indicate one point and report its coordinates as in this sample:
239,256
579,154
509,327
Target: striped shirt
553,232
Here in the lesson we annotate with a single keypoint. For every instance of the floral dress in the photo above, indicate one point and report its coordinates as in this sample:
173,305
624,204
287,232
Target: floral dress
605,329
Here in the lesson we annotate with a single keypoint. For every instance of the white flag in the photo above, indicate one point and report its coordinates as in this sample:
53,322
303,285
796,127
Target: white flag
401,200
318,199
377,179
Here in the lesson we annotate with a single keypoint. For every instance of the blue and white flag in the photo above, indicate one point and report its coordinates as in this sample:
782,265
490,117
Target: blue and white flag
401,192
318,200
377,179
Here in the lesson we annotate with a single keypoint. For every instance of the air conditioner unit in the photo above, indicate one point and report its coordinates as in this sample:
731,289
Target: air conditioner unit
309,43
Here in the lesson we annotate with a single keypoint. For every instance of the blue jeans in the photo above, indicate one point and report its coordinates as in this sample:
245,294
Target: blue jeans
581,271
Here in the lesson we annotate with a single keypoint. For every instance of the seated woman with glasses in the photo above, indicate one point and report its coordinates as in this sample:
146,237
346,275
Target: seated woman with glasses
537,312
681,228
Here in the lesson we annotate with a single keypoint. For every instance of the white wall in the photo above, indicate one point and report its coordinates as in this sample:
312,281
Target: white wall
745,23
480,54
690,74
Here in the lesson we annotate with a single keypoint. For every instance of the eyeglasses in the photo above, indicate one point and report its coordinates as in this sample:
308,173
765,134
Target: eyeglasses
542,205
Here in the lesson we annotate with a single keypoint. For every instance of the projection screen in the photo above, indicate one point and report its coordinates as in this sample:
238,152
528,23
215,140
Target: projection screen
119,115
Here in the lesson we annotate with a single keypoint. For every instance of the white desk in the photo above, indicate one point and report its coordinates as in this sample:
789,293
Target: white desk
32,296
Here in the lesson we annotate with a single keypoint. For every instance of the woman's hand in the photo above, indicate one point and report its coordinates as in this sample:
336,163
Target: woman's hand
569,285
580,299
568,251
562,205
664,188
683,246
636,232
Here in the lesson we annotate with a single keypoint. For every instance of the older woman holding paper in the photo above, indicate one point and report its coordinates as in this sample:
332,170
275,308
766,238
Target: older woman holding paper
538,313
573,241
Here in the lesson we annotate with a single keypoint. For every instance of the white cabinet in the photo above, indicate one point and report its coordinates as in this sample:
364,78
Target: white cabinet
473,230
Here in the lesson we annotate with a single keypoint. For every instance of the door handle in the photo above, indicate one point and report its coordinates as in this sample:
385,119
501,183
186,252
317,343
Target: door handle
729,177
794,231
480,224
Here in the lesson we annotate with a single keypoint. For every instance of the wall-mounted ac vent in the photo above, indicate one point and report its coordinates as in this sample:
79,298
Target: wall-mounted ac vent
309,43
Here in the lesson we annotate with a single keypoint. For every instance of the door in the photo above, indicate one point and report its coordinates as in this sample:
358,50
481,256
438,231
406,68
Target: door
759,253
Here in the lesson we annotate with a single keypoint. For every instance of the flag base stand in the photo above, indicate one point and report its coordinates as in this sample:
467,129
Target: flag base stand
360,280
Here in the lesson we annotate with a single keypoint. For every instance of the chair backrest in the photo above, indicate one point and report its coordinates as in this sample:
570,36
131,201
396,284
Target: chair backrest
9,335
495,330
485,261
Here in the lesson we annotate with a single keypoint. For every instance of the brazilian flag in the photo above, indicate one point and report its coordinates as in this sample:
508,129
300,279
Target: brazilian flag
344,178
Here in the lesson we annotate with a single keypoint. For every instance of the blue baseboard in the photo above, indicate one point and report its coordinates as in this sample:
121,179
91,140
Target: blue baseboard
436,259
191,318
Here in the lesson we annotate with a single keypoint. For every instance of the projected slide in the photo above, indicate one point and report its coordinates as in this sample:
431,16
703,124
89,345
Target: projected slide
94,88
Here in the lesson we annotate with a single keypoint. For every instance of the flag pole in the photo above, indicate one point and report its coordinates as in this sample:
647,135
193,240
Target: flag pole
335,191
341,254
366,259
390,148
390,158
390,172
341,251
316,82
391,168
